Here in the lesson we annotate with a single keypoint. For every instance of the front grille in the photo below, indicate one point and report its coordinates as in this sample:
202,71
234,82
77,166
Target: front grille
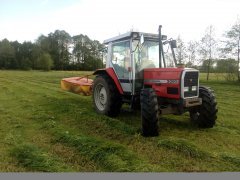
190,80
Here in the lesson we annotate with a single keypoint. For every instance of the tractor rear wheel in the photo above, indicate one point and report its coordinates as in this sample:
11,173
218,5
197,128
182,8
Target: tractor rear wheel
149,112
106,98
205,115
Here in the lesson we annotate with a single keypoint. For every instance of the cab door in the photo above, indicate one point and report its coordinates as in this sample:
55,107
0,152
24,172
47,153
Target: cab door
121,63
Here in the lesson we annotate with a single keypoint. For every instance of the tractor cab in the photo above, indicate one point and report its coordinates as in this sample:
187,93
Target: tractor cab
130,53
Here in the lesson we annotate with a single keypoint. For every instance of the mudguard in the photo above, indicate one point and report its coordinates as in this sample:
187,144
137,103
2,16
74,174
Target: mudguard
111,73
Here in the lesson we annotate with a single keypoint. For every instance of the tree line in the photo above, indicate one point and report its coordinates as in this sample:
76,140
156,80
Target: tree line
57,50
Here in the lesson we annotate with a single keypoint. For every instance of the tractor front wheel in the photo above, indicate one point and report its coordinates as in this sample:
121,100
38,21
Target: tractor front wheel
205,116
106,98
149,112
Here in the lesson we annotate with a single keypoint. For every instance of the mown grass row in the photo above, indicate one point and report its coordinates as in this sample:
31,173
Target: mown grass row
111,156
36,159
183,146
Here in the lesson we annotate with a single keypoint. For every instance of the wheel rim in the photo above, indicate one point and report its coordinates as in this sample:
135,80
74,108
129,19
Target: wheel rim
100,96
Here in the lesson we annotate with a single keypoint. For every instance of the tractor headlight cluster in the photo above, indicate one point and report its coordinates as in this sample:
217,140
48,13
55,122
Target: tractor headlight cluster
186,89
194,88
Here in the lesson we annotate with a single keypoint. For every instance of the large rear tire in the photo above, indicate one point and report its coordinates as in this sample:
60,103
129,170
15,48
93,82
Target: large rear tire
106,98
205,116
149,112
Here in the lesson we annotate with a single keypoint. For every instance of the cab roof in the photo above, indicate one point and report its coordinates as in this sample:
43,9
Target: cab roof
129,35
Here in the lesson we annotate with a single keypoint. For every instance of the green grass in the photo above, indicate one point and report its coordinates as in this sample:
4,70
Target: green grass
182,146
44,128
35,159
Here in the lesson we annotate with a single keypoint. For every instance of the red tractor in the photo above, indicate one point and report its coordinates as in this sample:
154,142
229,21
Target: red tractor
137,73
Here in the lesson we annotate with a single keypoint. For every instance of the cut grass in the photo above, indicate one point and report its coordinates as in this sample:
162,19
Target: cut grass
110,156
183,146
35,159
231,158
36,114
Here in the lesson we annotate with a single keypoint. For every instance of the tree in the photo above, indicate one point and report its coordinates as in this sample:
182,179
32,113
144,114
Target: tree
59,43
45,62
233,43
208,47
26,59
87,53
43,42
192,49
15,63
7,54
36,53
181,54
56,44
79,50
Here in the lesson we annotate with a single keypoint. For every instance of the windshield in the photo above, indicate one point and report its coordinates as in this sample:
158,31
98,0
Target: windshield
146,55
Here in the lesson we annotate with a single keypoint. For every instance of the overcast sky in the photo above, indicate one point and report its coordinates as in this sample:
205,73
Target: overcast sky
25,20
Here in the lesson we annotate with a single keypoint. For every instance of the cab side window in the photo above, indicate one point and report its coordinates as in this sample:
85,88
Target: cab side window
121,58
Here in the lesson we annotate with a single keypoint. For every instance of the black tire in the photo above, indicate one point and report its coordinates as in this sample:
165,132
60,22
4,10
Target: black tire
106,98
205,116
149,112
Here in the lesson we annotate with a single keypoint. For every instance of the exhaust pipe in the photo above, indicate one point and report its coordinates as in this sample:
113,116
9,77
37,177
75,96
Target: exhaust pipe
161,53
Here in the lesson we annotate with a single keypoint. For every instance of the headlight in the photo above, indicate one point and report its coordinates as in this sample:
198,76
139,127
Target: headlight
194,88
186,89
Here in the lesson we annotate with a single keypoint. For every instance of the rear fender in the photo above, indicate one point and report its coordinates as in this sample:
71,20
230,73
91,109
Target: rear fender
110,72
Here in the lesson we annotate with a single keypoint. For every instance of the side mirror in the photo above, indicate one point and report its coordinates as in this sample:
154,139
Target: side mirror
142,39
173,44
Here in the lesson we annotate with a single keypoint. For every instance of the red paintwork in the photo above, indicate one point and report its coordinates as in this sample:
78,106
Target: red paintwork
164,74
153,74
113,75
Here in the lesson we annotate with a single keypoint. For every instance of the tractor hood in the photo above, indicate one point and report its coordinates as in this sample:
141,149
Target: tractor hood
173,83
156,74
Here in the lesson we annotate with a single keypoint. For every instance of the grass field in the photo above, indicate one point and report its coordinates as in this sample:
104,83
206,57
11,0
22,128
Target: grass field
43,128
